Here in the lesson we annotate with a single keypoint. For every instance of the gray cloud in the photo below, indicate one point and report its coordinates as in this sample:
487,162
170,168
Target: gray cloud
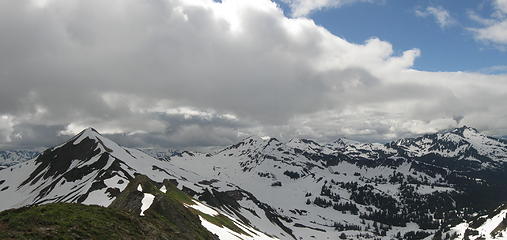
197,73
27,136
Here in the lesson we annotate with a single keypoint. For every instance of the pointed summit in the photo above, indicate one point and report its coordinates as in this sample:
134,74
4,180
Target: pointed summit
90,130
86,148
91,166
458,130
465,143
90,133
341,143
463,129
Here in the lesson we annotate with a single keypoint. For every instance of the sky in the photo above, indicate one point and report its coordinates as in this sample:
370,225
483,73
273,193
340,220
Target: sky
440,29
199,73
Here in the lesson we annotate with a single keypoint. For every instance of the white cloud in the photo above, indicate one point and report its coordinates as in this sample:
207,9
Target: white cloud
495,33
501,5
496,69
495,27
442,17
301,8
181,72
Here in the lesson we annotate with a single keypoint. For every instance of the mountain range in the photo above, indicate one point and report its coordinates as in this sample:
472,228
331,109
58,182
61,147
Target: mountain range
446,185
12,157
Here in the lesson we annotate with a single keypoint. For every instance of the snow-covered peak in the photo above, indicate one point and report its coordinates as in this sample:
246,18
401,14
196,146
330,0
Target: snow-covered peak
260,140
252,143
89,133
306,145
460,130
464,143
254,138
341,143
457,135
90,166
249,141
92,137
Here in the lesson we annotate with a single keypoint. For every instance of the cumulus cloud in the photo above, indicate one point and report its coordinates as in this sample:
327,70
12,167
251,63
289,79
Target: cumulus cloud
442,17
196,73
305,7
494,28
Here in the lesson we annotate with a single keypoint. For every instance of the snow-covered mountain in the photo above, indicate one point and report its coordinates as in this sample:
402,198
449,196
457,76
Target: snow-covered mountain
12,157
492,226
161,154
476,150
299,189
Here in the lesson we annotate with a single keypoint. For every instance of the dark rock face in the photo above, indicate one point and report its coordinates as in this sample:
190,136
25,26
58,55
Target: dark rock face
56,162
129,201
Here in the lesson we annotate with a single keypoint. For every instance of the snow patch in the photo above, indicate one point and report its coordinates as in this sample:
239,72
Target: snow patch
491,223
98,197
202,208
224,233
147,201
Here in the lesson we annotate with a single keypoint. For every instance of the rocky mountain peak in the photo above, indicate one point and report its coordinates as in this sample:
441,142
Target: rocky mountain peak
344,141
304,144
463,129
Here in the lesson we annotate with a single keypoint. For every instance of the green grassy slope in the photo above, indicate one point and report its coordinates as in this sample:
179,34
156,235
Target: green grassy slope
167,218
166,208
76,221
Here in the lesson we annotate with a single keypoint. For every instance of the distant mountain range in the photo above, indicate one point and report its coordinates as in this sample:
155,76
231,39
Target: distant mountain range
435,186
12,157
